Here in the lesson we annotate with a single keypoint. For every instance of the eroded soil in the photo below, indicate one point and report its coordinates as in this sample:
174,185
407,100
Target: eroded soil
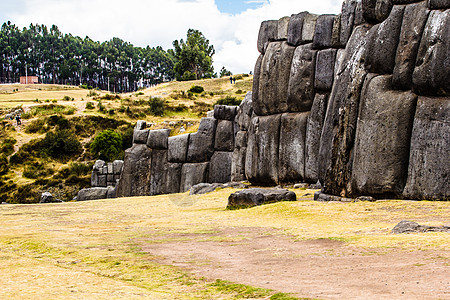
324,268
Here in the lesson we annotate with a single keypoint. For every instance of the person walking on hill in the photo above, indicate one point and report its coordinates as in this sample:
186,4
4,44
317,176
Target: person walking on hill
231,79
18,120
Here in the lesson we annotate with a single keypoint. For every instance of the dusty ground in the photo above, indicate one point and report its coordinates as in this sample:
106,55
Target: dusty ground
177,246
323,268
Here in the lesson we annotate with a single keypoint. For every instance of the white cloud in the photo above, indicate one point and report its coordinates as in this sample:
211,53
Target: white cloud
155,22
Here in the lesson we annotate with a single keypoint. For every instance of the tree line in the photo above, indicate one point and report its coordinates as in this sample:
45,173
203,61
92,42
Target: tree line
113,65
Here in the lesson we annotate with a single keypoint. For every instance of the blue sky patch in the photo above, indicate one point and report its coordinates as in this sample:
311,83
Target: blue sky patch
235,7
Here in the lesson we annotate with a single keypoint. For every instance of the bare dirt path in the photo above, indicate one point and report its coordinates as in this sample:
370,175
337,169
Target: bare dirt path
324,269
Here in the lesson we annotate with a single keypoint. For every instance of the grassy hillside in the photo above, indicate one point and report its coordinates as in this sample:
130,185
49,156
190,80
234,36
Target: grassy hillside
37,156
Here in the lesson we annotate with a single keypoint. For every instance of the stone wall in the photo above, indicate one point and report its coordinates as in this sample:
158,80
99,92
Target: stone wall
358,100
161,164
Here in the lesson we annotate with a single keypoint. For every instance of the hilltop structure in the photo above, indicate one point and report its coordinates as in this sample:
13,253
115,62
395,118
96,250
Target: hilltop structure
359,101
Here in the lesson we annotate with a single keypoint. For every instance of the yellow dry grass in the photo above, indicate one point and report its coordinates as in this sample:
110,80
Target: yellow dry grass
91,249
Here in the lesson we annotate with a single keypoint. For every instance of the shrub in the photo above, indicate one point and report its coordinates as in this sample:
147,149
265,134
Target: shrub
180,108
37,170
100,106
239,92
187,75
60,121
34,126
127,138
156,106
92,94
228,100
3,164
89,105
67,98
111,111
60,144
196,89
107,145
7,147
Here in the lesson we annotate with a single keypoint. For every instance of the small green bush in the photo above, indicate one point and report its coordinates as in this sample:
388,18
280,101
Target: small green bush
240,92
3,164
156,106
187,75
107,145
60,144
228,100
196,89
36,170
92,94
7,146
67,98
89,105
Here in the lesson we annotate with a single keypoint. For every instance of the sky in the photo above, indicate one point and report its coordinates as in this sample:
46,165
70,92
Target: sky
231,26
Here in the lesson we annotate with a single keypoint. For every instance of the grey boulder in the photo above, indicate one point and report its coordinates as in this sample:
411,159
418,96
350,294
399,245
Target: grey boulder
257,196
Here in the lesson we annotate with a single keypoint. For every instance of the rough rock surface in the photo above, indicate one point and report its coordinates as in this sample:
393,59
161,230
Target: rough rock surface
224,140
254,197
432,73
414,19
347,20
192,174
413,227
158,175
135,179
201,143
157,139
282,32
94,193
324,75
323,32
439,4
383,138
262,150
244,112
47,197
313,134
178,147
267,33
256,107
429,166
204,188
225,112
140,136
291,163
309,27
340,121
383,41
220,167
274,79
300,93
295,29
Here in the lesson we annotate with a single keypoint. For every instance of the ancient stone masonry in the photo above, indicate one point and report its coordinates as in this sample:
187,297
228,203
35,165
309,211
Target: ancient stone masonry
359,100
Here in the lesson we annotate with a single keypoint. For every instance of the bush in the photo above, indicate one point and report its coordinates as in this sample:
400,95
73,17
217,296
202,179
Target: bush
111,111
156,106
100,106
7,147
35,126
34,171
196,89
89,105
187,75
239,92
92,94
180,108
107,145
3,164
75,169
228,100
67,98
60,144
59,121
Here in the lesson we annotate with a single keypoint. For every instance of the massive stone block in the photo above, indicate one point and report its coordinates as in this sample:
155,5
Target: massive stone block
414,19
282,32
268,32
225,112
252,197
291,162
94,193
201,143
323,32
173,179
256,103
309,27
383,138
178,146
238,164
429,164
140,136
439,4
244,112
300,93
220,167
383,9
324,70
274,79
158,172
192,174
432,73
368,9
157,139
347,19
336,33
340,121
295,29
135,179
313,134
262,150
224,136
382,47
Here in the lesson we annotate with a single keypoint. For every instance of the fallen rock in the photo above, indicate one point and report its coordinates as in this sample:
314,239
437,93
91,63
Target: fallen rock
257,196
204,188
94,193
413,227
47,197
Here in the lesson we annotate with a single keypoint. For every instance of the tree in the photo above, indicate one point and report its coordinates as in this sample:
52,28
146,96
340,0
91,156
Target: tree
193,58
107,145
225,72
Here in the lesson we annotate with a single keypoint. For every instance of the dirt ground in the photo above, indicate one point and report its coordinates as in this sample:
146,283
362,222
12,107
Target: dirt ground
323,268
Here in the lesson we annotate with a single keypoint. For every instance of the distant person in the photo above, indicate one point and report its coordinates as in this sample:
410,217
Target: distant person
234,80
231,79
18,120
